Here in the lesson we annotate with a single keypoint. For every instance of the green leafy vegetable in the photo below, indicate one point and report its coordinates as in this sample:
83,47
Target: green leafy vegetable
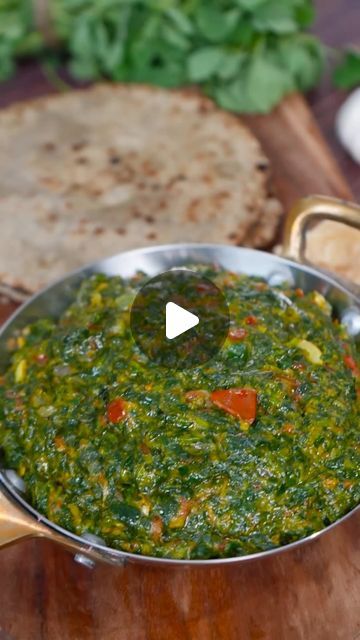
204,63
347,74
276,17
16,34
246,54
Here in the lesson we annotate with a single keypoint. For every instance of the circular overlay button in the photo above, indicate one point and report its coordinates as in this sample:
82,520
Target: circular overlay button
179,319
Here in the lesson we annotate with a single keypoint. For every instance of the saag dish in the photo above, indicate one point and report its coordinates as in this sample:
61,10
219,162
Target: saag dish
257,448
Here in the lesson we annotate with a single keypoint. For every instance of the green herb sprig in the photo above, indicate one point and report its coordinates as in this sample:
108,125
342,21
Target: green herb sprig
347,74
246,54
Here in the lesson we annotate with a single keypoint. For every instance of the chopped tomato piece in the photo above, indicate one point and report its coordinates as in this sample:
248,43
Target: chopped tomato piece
204,287
60,443
299,293
157,526
180,519
261,286
351,364
240,403
251,320
288,428
185,507
93,326
237,334
290,382
41,358
116,410
144,448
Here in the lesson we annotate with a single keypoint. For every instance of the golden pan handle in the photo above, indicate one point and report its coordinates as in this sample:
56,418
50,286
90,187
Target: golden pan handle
313,209
15,524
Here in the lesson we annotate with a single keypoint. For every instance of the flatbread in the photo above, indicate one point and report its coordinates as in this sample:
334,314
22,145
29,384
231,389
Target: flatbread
86,174
335,247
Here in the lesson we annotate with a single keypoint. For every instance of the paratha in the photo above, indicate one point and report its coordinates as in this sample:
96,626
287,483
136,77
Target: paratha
89,173
335,247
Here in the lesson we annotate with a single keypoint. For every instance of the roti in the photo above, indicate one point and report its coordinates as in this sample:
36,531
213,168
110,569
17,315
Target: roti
89,173
335,247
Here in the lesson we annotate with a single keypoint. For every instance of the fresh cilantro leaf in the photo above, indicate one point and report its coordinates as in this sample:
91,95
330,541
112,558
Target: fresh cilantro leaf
204,63
181,21
84,69
347,74
250,5
305,13
260,88
244,37
231,64
232,97
266,83
174,37
6,61
276,17
247,54
156,62
303,57
214,24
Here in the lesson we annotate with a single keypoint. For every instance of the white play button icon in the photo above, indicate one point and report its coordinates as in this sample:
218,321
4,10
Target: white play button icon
178,320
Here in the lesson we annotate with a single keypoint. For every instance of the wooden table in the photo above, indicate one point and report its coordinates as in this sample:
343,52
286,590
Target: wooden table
312,593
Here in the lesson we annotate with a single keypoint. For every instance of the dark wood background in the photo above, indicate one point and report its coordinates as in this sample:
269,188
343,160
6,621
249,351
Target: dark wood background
338,24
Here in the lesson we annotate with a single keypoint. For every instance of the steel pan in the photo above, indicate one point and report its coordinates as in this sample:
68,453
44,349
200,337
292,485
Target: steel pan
18,519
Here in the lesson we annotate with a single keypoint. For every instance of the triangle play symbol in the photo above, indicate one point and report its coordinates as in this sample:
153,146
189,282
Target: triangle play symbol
178,320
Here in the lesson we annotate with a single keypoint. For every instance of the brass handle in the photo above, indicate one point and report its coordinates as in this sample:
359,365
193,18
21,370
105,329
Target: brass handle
16,524
308,210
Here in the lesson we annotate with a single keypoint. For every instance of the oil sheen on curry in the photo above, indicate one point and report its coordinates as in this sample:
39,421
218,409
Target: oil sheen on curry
255,449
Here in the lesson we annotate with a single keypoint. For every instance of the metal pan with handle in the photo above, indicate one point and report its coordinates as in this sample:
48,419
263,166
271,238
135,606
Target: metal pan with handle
18,519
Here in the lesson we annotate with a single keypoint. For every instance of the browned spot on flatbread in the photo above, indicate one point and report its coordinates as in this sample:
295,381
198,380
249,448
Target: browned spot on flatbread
52,217
114,160
49,146
192,211
51,182
78,146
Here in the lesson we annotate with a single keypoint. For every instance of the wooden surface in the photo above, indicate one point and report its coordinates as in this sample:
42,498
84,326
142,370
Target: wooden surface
309,594
302,163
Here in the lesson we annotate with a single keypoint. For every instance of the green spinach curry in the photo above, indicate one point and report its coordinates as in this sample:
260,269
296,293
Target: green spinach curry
257,448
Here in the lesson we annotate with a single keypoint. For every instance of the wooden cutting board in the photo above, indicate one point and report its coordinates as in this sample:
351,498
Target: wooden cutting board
301,159
309,594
